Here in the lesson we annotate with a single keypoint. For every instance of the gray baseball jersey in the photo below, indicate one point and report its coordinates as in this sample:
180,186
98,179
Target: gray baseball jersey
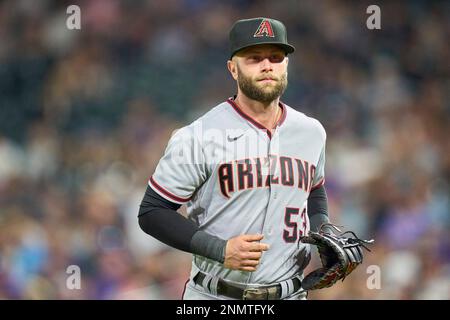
238,178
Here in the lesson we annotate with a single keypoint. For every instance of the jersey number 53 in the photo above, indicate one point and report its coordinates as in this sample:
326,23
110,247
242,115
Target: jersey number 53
293,230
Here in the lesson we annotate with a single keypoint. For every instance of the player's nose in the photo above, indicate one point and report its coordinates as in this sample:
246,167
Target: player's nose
266,65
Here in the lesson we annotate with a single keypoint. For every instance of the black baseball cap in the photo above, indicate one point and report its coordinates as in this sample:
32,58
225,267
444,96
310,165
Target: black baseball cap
249,32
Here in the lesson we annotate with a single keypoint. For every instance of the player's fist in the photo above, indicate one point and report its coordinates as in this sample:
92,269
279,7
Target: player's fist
244,252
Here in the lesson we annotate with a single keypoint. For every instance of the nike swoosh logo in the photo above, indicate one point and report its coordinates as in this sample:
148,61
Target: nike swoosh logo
231,139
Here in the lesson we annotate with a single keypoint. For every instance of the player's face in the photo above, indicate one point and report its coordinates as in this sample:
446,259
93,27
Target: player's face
261,72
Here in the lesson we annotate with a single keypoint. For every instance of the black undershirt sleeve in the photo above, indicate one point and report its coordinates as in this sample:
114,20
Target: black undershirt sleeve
318,208
158,217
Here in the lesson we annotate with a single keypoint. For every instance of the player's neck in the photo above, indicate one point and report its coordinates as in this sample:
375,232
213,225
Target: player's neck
265,113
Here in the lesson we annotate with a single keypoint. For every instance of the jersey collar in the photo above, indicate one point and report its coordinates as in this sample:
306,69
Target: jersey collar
253,121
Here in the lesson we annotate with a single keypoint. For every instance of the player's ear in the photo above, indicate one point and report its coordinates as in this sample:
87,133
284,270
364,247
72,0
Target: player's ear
232,68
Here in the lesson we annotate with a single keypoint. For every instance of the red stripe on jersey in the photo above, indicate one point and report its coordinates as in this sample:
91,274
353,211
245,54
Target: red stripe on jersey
256,123
318,185
283,115
184,289
167,193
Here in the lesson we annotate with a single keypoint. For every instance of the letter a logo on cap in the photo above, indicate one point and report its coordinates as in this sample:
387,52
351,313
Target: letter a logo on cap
264,29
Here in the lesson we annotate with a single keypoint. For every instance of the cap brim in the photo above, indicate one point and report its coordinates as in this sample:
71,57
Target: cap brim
286,47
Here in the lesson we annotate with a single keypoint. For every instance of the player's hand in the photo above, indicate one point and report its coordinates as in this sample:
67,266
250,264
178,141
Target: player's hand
244,252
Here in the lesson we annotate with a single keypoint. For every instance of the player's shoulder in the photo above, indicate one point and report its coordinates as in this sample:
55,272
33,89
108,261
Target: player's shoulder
214,113
215,118
210,119
298,118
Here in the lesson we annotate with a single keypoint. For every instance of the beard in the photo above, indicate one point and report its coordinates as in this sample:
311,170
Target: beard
265,93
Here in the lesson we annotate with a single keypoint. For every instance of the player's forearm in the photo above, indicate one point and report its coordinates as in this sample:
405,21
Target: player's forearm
159,218
318,208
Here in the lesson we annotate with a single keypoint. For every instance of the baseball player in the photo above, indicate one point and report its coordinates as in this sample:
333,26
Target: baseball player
251,172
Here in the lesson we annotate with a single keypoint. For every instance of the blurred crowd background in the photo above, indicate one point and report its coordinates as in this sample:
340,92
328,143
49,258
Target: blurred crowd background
86,114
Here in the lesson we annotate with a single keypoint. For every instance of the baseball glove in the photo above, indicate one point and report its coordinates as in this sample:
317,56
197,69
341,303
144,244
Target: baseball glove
340,255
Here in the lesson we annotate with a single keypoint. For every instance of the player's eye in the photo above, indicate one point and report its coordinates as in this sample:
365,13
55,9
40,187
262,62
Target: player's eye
276,58
254,58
